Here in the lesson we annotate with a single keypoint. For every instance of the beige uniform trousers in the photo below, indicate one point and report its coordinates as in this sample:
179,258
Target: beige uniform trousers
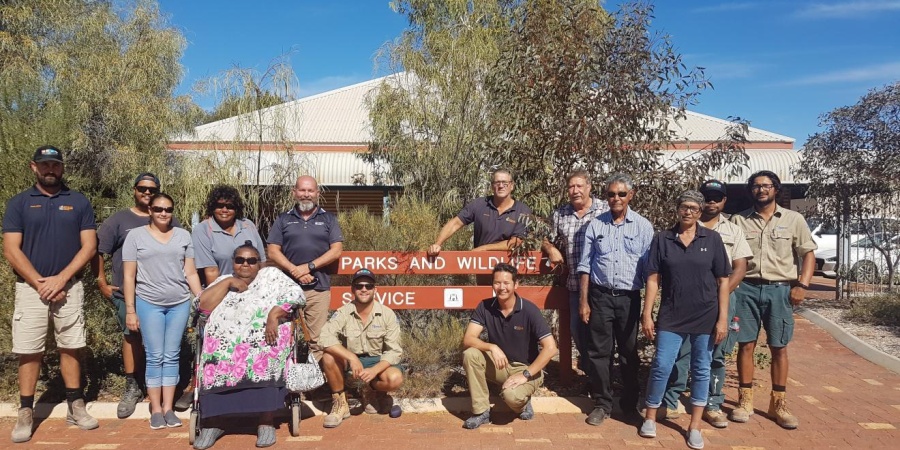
480,370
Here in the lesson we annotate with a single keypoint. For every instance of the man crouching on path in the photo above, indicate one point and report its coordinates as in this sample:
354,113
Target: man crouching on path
510,357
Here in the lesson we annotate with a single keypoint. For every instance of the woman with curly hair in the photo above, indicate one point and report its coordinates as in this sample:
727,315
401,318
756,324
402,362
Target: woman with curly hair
225,229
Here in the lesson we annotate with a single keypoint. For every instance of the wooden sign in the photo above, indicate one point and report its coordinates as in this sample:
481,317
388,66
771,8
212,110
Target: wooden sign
451,297
446,263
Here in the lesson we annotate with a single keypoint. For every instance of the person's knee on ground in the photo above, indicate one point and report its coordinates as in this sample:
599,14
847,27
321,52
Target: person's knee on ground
514,399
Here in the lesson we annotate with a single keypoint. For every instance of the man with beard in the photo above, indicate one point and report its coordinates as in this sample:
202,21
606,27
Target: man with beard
363,339
612,271
49,234
567,226
770,290
302,241
738,253
111,238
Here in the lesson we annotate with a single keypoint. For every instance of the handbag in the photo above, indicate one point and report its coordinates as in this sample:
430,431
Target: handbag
303,376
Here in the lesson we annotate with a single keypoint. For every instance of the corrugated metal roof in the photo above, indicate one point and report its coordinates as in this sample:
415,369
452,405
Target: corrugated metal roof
783,162
340,116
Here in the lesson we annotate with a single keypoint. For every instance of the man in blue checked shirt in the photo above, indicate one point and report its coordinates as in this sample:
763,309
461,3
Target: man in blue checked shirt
611,273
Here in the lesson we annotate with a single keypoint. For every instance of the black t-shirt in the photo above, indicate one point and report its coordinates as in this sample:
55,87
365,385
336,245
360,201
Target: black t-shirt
519,333
690,292
490,225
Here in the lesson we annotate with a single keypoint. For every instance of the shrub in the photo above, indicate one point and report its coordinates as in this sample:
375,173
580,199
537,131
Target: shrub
878,310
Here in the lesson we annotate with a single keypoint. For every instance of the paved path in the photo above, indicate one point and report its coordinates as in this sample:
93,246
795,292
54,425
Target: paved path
842,400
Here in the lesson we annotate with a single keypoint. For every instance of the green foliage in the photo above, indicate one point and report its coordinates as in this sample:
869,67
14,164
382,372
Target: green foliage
876,310
432,350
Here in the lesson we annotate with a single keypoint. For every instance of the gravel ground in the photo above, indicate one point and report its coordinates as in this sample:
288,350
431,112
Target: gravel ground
884,338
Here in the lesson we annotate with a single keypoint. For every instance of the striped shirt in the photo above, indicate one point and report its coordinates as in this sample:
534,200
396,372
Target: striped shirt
615,254
567,234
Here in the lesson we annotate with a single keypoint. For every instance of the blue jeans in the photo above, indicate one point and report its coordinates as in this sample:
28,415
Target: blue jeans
578,330
161,330
667,346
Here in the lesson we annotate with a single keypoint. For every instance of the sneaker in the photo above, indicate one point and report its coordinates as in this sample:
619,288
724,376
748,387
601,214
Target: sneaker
172,421
157,421
79,416
24,426
265,436
694,439
340,410
778,411
130,398
716,418
744,409
597,416
208,437
648,429
477,420
527,413
186,400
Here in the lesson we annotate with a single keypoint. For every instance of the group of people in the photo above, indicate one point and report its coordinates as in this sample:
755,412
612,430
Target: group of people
720,279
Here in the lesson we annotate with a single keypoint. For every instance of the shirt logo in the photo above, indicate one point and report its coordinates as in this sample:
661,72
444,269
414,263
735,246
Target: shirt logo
320,223
66,208
519,328
702,249
35,206
510,220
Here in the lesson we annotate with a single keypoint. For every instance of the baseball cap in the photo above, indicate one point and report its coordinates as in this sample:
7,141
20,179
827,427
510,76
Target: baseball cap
362,273
146,176
47,153
713,186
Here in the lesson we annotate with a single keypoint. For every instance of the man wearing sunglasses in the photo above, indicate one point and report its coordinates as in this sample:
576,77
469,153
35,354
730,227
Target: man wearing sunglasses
771,289
612,273
362,339
49,235
111,236
712,217
497,218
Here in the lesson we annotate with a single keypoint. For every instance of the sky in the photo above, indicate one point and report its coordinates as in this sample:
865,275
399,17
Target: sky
778,64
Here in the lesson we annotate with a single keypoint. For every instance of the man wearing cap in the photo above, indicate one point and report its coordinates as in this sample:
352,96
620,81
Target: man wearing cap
49,235
363,339
302,241
510,356
772,287
111,237
711,216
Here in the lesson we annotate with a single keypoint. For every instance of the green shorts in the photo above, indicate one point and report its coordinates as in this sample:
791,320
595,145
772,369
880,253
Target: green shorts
119,303
768,306
370,361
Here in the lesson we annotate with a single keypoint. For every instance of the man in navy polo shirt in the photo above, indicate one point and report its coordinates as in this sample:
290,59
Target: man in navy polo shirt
497,218
49,234
302,241
510,356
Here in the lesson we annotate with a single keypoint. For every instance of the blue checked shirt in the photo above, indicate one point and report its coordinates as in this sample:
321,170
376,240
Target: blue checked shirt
615,255
567,234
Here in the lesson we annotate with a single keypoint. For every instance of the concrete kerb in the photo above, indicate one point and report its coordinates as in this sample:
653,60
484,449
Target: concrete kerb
107,410
852,342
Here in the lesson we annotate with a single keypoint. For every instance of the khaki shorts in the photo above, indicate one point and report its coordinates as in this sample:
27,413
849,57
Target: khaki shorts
32,317
316,314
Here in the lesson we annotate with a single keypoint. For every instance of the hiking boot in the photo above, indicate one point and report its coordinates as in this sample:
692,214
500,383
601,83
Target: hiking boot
477,420
778,411
340,410
527,413
597,416
22,431
694,439
130,398
668,413
744,410
715,417
79,416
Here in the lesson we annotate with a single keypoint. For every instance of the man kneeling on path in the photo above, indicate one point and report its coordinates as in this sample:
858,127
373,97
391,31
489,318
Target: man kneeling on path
362,338
510,357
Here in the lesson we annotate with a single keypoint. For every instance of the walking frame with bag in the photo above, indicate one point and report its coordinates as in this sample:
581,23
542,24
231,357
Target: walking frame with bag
303,376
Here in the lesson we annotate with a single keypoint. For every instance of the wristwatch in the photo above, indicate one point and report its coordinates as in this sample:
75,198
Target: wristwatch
311,265
527,374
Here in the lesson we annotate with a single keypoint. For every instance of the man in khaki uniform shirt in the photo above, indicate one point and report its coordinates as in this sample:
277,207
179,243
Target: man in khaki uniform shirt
771,288
362,338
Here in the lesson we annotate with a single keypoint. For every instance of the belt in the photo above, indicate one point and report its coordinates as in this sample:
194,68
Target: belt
615,292
761,282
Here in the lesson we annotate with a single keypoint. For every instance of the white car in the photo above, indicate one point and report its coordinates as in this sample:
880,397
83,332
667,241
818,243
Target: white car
864,261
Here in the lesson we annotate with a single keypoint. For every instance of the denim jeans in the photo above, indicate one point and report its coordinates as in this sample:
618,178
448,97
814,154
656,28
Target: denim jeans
579,331
667,347
161,329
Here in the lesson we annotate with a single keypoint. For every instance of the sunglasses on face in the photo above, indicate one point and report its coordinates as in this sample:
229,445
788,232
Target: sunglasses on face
225,206
160,209
366,286
240,260
713,198
614,194
146,189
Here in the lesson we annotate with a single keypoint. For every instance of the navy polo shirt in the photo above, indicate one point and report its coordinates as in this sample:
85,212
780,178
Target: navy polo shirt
51,226
690,291
492,226
302,240
517,334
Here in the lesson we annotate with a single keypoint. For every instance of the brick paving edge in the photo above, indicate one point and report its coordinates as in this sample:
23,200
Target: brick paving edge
852,342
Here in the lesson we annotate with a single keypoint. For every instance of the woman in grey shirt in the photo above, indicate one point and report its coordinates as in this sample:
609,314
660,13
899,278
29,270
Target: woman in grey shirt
159,278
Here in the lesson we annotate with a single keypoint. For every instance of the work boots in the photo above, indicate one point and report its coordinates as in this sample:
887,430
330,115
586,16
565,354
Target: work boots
340,410
744,410
22,431
130,398
79,416
778,411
